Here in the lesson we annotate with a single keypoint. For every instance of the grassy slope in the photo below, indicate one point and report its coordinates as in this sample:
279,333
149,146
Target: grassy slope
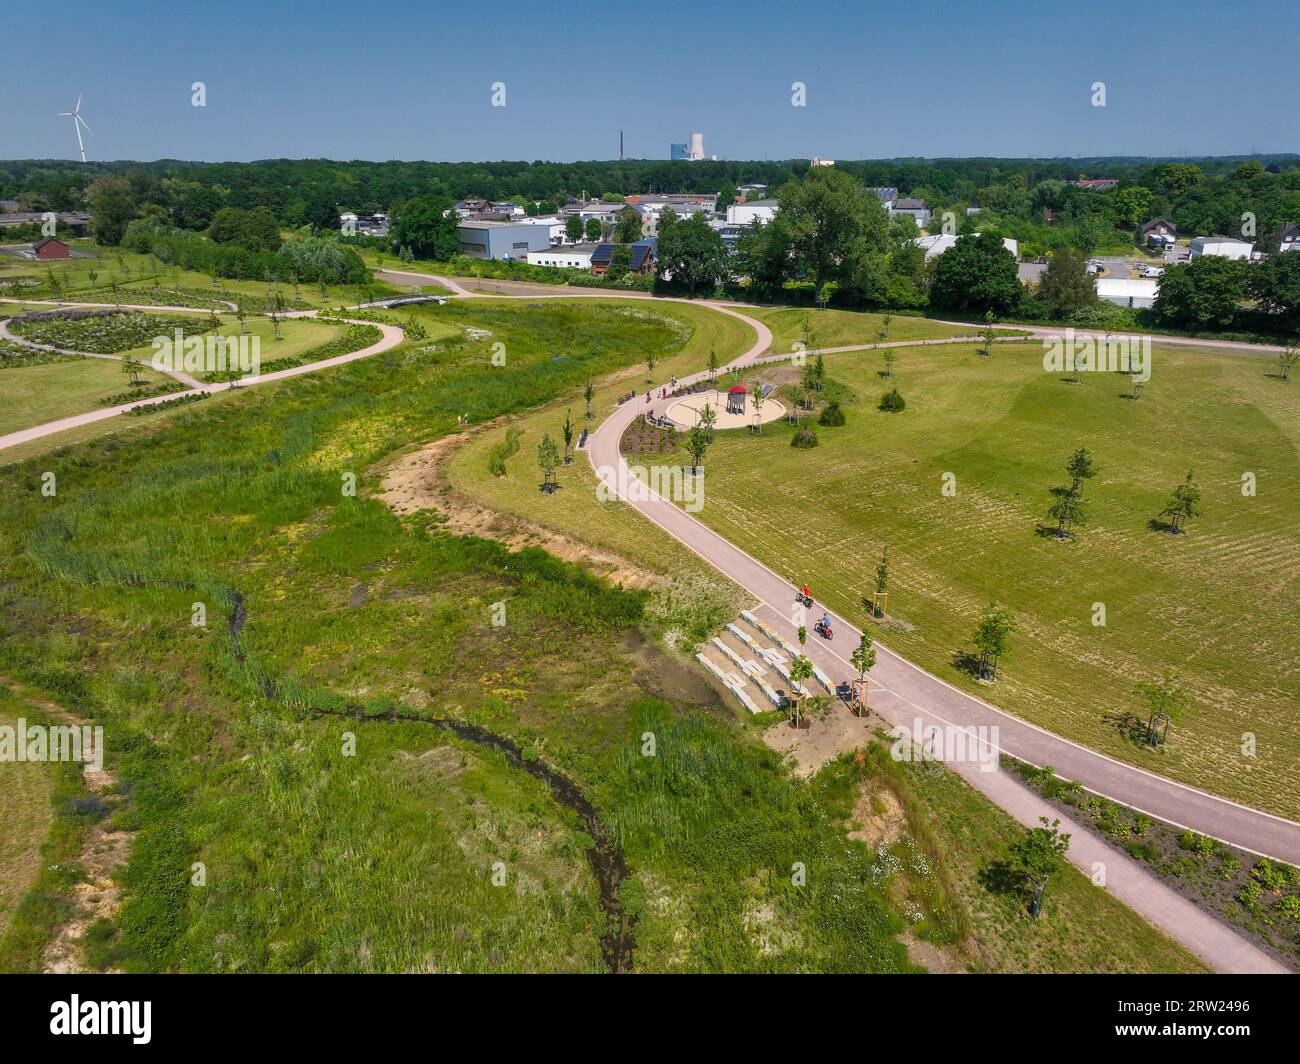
1218,604
25,791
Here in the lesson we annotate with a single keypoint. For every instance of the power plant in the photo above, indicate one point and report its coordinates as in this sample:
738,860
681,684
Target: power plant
692,150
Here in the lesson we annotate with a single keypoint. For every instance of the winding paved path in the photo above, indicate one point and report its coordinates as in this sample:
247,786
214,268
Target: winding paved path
902,692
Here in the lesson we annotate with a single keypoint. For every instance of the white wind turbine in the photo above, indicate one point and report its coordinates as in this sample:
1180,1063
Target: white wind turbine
77,123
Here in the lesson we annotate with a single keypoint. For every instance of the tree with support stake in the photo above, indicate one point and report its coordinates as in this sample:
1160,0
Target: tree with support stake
548,458
589,393
1287,359
801,669
1165,701
880,599
992,639
568,438
1037,856
697,442
758,400
1184,503
862,659
713,365
988,334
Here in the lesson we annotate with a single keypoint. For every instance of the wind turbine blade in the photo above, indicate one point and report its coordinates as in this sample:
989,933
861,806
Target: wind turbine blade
77,109
83,122
64,114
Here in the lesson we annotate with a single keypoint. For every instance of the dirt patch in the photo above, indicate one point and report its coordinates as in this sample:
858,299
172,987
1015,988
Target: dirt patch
880,816
415,482
935,959
828,735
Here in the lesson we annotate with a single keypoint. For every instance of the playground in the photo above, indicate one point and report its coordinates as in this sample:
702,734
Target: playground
734,409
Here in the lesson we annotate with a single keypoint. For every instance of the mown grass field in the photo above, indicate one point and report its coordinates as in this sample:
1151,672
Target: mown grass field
1217,605
33,395
842,328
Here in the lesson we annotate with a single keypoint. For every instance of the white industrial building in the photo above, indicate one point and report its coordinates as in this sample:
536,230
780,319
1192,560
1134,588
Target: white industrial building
567,256
1127,292
937,244
760,210
1224,246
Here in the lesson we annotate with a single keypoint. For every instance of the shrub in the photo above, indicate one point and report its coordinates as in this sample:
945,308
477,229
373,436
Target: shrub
892,402
831,415
805,437
501,451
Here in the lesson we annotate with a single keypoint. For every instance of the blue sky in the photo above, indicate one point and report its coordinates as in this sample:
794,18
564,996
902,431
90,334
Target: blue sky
413,80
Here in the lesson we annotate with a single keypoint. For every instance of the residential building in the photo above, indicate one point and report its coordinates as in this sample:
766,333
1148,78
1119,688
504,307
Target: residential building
49,248
1096,184
1225,246
915,207
1159,233
502,240
471,207
565,256
760,210
643,257
886,194
1288,237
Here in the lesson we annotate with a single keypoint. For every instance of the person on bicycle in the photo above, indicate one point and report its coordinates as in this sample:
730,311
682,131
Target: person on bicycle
826,621
806,593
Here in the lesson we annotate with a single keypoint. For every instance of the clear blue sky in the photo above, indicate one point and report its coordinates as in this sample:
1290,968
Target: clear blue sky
413,80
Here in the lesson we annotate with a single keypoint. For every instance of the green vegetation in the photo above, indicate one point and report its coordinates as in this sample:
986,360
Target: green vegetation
999,426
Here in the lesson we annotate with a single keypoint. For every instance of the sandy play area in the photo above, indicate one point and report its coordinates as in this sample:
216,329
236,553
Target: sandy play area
683,412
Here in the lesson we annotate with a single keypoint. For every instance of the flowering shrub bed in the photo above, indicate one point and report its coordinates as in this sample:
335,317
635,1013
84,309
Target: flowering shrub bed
15,356
102,332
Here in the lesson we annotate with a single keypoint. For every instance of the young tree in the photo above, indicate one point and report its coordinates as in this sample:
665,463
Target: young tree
1081,467
594,230
1068,510
988,334
885,321
882,583
758,399
862,659
819,372
548,458
890,356
568,437
801,669
131,368
708,418
713,365
1287,359
1037,856
1165,701
992,638
1184,503
573,229
589,393
240,314
650,361
697,442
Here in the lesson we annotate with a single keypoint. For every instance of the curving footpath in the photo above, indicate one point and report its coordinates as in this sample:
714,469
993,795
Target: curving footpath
901,692
392,336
